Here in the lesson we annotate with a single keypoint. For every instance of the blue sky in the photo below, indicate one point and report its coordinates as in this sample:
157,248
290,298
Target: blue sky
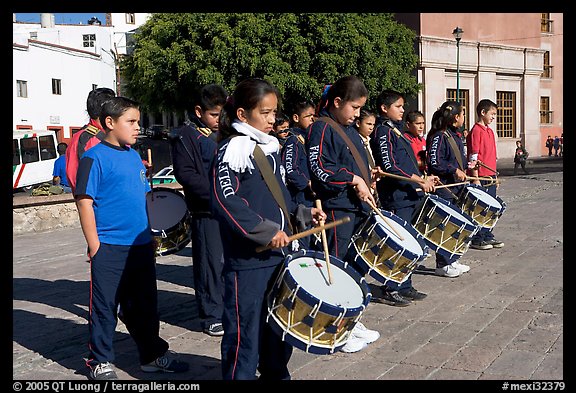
61,17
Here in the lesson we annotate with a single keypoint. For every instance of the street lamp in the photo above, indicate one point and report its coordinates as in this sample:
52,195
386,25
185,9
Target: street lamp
457,33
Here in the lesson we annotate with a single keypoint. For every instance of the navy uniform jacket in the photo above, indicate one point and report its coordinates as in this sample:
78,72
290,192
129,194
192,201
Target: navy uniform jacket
332,166
248,214
295,160
193,148
442,161
394,154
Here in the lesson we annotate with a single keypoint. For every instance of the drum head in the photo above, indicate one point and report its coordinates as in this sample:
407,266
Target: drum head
483,196
165,209
453,211
312,275
393,228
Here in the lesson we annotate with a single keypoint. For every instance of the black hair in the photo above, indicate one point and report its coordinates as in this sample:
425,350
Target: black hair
95,99
210,96
413,115
445,115
485,105
348,88
364,113
62,146
115,107
387,98
247,94
281,118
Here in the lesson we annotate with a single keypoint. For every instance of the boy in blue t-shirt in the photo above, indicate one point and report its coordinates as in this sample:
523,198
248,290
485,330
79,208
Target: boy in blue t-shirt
111,198
59,172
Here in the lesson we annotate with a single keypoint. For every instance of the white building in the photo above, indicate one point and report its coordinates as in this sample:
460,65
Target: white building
56,66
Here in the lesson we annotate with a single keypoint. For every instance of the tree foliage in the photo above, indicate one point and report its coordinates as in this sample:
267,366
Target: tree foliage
175,54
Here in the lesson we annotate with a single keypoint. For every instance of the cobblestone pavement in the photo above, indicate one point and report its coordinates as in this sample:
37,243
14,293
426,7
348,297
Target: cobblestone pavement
503,320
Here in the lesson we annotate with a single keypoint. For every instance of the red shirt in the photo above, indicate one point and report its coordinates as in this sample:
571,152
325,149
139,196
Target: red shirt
481,141
72,159
418,144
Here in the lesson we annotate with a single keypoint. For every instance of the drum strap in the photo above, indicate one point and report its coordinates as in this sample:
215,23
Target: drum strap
357,157
454,147
271,182
403,137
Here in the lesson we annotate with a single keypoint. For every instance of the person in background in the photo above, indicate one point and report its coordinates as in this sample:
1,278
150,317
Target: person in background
549,145
556,145
59,172
415,124
250,215
482,148
192,149
520,156
111,199
89,135
281,128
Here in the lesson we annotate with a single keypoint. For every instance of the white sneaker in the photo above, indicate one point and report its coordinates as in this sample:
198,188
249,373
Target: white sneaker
354,344
460,266
447,271
362,332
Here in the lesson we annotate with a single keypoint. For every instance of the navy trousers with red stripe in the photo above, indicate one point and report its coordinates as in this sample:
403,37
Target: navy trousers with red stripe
125,276
249,344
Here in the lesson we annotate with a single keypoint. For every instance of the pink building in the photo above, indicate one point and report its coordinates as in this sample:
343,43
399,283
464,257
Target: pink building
513,59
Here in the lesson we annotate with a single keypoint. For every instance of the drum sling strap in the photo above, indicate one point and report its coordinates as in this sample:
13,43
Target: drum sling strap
455,149
271,182
355,153
410,150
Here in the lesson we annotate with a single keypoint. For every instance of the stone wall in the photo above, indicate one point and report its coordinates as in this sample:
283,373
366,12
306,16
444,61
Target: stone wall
43,213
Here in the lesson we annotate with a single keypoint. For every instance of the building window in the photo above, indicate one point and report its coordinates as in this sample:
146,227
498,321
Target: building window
22,89
545,23
464,100
545,112
131,19
506,114
74,130
88,40
57,87
547,73
33,35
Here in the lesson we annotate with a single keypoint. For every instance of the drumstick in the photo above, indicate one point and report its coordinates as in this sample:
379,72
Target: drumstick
382,216
150,173
309,232
325,244
447,185
382,173
486,178
454,195
480,163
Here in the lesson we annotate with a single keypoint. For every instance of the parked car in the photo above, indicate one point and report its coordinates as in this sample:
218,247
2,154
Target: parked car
156,131
164,175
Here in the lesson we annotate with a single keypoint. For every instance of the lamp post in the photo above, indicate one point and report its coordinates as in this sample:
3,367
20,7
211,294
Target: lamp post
457,33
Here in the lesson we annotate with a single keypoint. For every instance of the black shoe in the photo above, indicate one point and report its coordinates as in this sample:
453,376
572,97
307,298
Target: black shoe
495,243
215,329
412,294
481,245
392,298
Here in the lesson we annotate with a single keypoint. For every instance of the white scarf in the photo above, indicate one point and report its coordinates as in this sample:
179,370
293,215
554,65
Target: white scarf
240,149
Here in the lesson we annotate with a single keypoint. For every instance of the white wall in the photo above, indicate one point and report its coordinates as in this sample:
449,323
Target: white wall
64,58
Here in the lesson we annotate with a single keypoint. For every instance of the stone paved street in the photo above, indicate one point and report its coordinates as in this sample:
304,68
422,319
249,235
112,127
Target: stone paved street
503,320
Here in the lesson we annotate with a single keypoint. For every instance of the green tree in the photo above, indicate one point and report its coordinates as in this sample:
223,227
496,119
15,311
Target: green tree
175,54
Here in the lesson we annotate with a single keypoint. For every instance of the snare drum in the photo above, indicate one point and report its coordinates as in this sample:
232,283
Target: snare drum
484,209
168,215
446,229
310,314
388,250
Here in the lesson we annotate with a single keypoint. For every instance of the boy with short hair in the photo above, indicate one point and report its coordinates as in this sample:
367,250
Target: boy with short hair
111,198
481,147
193,148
